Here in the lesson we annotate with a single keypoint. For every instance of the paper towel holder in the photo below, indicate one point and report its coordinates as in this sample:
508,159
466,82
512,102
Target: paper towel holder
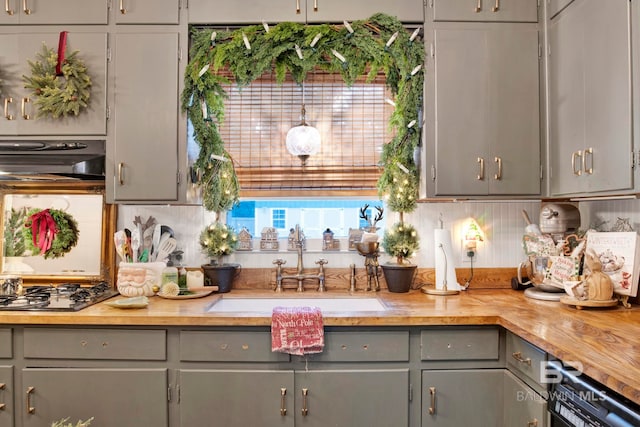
444,290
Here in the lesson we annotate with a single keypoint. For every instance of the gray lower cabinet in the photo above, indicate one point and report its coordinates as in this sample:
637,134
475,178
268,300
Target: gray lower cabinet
484,128
522,405
113,397
7,408
589,98
350,397
462,397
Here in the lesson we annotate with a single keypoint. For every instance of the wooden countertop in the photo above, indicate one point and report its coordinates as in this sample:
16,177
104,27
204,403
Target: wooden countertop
605,341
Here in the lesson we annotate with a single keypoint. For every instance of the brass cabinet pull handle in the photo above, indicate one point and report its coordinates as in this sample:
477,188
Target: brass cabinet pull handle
588,170
315,5
2,405
532,423
498,160
7,101
518,356
496,7
479,6
122,8
120,173
480,176
432,408
283,403
30,409
298,7
575,155
305,411
6,8
23,108
25,8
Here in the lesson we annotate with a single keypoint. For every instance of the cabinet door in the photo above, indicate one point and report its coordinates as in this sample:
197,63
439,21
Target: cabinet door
486,10
346,398
114,397
236,398
522,405
44,12
487,136
514,112
147,12
20,117
6,396
143,154
590,125
245,12
454,398
338,11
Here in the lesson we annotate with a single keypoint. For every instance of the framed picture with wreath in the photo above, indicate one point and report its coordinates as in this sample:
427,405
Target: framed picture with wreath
56,233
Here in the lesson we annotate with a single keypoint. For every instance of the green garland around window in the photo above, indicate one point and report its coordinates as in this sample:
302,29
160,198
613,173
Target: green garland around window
58,95
352,50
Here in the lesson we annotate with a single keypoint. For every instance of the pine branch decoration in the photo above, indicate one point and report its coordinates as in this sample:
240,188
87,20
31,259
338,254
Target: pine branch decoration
13,239
58,96
364,49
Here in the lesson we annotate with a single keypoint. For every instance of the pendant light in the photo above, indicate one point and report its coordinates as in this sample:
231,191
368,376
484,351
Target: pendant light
303,140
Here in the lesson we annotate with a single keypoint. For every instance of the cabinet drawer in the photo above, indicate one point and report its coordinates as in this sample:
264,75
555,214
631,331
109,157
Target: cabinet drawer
460,344
483,10
6,345
45,343
525,358
382,346
227,346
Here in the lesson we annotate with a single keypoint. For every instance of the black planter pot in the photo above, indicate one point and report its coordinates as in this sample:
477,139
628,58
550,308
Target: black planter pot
399,277
221,275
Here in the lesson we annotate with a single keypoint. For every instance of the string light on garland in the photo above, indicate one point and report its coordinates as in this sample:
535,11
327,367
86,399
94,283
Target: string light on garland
63,94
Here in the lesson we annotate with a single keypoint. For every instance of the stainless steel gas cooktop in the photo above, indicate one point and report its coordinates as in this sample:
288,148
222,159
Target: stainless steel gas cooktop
63,297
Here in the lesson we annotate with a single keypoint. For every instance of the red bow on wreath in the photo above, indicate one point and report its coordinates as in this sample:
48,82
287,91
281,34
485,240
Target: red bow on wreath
43,229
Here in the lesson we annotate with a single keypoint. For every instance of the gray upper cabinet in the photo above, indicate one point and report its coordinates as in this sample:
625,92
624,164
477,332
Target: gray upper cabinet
252,11
142,158
484,127
246,12
555,6
19,111
486,10
589,103
147,11
47,12
340,10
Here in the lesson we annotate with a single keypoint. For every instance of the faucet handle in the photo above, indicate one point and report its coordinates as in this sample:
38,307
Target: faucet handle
322,262
279,261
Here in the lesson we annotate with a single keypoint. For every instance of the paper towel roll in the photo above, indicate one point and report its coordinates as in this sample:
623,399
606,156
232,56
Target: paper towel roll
445,266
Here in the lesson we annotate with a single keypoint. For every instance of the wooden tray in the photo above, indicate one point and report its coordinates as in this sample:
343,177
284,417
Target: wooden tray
579,304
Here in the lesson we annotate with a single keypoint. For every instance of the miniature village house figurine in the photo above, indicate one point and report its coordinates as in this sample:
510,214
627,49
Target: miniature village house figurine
355,236
328,242
293,240
269,239
245,240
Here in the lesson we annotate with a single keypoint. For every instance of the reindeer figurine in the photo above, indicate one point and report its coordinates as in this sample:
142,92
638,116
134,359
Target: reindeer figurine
371,221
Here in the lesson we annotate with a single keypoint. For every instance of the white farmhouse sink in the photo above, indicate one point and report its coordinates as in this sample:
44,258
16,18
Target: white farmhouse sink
345,304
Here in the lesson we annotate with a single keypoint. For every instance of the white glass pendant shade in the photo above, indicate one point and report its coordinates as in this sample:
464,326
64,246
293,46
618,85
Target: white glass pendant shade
303,140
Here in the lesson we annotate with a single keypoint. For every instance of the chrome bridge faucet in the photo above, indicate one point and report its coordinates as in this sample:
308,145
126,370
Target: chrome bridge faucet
300,275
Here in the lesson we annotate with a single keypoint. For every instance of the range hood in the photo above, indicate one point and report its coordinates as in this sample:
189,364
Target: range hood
52,160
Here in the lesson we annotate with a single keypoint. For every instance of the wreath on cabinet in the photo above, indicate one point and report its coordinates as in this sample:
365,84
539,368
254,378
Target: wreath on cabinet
61,84
362,47
50,232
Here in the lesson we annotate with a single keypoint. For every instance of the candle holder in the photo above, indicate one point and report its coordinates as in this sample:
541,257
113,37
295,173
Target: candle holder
370,251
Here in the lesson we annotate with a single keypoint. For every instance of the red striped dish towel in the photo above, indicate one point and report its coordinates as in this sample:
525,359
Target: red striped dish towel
297,330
